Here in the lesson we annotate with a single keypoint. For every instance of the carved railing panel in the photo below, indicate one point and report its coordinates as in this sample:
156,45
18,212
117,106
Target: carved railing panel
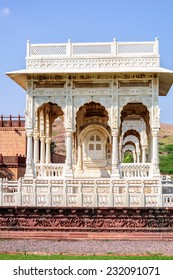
134,170
120,200
89,49
84,193
46,49
168,200
135,47
49,170
151,200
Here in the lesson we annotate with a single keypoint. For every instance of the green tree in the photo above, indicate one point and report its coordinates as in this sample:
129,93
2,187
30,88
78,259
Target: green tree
128,157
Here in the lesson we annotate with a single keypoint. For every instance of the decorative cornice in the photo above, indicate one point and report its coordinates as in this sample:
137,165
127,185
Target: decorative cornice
96,64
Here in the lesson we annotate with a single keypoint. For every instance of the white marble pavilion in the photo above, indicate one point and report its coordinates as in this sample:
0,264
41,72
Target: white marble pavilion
106,97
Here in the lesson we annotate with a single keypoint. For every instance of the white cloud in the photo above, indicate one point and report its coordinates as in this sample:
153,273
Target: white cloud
5,11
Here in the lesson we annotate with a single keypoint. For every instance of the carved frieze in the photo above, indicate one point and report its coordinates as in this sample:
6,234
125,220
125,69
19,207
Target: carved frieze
49,92
130,76
88,92
90,219
82,77
49,84
46,77
89,63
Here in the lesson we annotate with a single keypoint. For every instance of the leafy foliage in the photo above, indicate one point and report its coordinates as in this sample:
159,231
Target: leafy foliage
166,158
128,157
169,148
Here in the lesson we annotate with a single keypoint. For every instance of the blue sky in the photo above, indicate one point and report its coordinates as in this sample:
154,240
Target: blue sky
56,21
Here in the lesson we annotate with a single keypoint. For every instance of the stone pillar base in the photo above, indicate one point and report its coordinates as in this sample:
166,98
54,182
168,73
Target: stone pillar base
29,174
156,176
156,172
115,176
80,170
68,174
115,173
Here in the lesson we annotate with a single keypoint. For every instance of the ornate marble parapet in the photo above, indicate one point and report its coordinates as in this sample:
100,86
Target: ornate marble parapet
84,193
89,49
92,56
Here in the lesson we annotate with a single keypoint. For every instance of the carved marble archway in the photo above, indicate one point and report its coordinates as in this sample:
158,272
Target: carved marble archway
130,148
103,101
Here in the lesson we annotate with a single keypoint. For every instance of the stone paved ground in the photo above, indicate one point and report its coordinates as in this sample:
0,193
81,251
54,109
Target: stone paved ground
88,247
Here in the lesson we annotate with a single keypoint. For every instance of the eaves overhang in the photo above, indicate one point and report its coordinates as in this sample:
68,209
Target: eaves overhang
165,75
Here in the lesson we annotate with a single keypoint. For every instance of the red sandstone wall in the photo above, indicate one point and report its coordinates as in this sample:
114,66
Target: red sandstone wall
12,141
21,172
9,172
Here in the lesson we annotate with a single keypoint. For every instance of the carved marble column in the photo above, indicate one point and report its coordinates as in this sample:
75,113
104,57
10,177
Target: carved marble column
36,126
42,149
68,166
48,154
150,148
138,156
29,160
155,154
69,121
36,147
134,156
120,153
144,154
80,163
115,154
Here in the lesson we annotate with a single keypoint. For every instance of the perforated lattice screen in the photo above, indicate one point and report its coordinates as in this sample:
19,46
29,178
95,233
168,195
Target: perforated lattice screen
135,48
92,49
48,50
91,85
49,85
134,84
